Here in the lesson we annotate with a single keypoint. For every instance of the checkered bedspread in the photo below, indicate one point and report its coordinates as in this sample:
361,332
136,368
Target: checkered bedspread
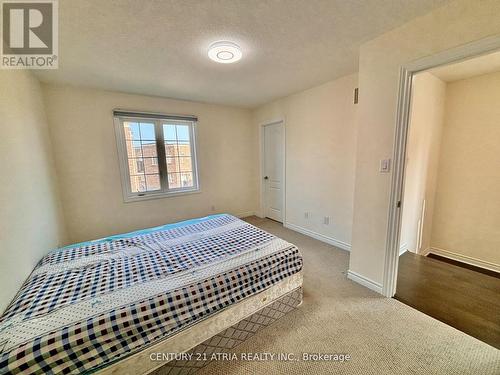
88,305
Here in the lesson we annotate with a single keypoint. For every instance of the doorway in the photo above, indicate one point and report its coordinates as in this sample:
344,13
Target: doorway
449,235
457,54
273,170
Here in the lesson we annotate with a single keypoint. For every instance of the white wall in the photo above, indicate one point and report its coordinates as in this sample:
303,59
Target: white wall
320,156
467,212
422,161
454,24
87,162
31,222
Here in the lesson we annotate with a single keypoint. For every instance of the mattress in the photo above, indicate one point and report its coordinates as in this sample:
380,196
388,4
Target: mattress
260,310
94,303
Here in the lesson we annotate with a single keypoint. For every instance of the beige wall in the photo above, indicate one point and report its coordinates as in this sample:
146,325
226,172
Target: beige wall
422,161
467,213
31,222
320,155
454,24
87,162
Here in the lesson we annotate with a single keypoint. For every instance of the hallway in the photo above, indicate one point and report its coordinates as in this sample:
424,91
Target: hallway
463,298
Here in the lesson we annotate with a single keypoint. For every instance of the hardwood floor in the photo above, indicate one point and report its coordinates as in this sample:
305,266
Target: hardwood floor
463,298
464,265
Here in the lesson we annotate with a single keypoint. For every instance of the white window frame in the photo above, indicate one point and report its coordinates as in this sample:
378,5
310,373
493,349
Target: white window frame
158,120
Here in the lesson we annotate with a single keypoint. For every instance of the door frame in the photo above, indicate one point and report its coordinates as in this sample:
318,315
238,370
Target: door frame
262,213
457,54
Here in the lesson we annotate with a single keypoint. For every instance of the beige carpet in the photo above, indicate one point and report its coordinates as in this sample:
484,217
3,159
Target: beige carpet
382,335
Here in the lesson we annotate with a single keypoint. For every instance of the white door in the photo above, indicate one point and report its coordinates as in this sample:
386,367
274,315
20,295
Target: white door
273,171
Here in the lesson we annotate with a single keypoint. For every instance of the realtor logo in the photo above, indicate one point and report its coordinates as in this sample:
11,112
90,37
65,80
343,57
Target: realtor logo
29,34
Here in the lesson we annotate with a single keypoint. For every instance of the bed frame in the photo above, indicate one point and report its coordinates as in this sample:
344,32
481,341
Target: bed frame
217,334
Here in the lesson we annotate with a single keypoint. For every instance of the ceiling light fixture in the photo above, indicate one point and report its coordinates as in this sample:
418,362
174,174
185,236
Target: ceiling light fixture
224,52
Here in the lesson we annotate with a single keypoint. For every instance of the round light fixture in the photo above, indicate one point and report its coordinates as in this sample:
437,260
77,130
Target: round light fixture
224,52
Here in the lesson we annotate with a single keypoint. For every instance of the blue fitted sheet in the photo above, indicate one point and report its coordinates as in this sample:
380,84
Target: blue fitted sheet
142,231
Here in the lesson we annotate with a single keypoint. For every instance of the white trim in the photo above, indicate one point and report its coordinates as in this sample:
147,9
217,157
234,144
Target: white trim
407,71
465,259
262,214
397,184
321,237
165,191
424,252
403,249
366,282
161,195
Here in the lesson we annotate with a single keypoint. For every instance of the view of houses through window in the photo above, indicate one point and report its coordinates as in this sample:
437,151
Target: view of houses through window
142,142
141,151
178,154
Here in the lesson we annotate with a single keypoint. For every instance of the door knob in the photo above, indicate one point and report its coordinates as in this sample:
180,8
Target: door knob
266,178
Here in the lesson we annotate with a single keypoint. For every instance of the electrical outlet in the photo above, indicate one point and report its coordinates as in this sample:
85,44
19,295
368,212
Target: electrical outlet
326,220
212,208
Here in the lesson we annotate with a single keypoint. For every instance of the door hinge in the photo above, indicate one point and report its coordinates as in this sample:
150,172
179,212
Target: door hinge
356,95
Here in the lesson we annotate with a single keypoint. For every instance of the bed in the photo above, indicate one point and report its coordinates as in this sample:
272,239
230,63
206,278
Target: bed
112,304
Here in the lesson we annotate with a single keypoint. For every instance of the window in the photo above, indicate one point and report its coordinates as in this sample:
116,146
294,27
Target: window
140,165
157,154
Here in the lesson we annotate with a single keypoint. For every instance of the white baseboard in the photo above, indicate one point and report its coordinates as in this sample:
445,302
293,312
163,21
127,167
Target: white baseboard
424,252
321,237
366,282
465,259
403,248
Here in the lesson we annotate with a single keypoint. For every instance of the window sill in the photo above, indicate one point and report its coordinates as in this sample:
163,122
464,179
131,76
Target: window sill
137,198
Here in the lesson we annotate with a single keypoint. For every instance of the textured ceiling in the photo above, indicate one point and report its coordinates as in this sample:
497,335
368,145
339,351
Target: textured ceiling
469,68
160,47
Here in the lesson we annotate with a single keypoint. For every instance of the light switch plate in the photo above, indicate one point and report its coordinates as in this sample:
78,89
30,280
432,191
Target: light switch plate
385,165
